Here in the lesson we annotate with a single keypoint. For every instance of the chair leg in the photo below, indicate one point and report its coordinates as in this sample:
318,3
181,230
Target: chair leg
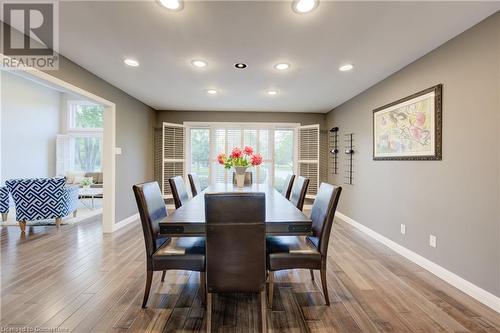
22,225
209,312
74,213
325,288
263,310
149,279
203,288
312,274
271,288
163,276
4,216
58,221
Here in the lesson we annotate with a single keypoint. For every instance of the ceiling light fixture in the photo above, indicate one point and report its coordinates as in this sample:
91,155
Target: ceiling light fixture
346,67
282,66
131,62
199,63
304,6
272,92
172,4
240,65
212,92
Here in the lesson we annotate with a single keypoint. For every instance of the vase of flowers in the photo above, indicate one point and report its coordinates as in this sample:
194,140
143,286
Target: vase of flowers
240,160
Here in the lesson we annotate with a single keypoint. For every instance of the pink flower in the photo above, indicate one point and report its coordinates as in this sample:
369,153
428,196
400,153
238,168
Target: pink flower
236,153
221,158
256,159
248,150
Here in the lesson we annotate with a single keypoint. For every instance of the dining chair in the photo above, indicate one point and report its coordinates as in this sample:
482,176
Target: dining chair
179,191
287,187
165,253
310,252
194,183
248,178
299,191
236,254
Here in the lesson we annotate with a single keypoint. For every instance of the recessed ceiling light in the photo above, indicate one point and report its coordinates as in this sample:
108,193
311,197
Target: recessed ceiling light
240,65
199,63
346,67
131,62
272,92
304,6
172,4
212,92
282,66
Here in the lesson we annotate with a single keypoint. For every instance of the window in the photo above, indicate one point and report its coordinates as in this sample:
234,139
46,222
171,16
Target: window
275,142
200,154
86,153
283,156
85,126
85,116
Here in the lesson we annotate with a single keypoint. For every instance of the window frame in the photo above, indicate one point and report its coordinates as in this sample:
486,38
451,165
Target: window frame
70,115
212,126
77,132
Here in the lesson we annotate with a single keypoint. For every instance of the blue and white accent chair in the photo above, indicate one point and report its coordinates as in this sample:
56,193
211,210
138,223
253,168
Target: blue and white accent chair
42,198
4,202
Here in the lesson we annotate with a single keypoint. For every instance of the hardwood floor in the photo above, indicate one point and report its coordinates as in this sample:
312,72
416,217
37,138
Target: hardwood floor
76,279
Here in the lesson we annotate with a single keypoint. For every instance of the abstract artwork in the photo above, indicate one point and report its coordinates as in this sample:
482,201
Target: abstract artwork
410,128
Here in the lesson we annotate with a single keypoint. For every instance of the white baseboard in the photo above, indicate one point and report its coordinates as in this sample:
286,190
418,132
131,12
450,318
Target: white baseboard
125,221
463,285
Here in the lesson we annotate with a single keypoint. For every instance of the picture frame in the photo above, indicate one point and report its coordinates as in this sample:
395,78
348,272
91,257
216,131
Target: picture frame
409,128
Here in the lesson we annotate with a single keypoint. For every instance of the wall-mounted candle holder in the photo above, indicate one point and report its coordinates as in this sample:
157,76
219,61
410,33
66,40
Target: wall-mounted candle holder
349,151
334,149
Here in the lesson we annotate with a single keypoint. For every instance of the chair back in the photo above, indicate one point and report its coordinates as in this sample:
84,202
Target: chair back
299,191
236,242
248,178
152,210
322,214
179,191
194,182
38,198
287,187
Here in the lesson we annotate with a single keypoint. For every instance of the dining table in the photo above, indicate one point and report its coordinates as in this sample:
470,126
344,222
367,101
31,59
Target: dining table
282,217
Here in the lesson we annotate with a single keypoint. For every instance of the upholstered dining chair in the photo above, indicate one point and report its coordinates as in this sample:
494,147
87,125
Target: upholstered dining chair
165,253
287,187
248,178
194,182
236,255
299,191
179,191
293,252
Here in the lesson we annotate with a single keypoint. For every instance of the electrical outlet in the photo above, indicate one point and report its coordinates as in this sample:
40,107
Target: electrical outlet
403,229
432,241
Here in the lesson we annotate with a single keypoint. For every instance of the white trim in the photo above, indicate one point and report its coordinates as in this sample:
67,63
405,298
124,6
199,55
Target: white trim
126,221
456,281
109,138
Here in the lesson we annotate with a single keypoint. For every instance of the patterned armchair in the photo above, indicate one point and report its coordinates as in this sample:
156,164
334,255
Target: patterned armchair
4,202
42,198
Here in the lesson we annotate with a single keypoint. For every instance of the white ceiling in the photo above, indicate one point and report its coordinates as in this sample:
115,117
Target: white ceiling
379,38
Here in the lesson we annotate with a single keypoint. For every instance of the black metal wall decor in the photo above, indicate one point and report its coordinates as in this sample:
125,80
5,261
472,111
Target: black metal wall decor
334,144
349,151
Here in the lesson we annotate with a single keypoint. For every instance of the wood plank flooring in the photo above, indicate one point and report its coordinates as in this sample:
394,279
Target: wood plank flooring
76,279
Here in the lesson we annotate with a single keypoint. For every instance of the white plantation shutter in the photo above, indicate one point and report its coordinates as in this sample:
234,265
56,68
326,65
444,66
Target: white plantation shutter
308,156
174,157
62,155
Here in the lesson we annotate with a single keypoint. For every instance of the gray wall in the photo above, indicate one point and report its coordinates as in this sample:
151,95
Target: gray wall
263,117
134,133
28,148
456,199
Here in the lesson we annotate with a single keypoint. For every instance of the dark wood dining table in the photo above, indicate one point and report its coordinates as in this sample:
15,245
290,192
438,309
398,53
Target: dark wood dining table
282,217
